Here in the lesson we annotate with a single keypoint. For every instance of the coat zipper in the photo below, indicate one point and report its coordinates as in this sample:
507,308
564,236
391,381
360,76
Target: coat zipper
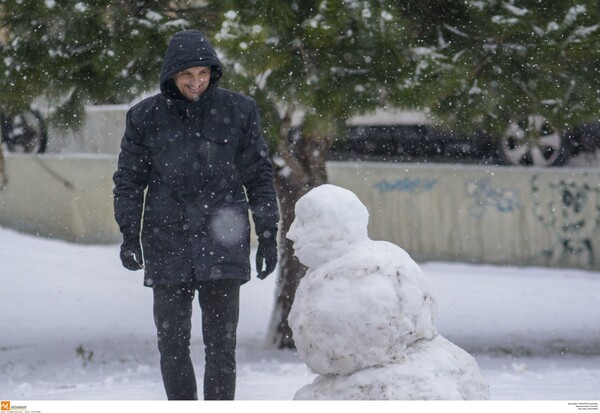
208,148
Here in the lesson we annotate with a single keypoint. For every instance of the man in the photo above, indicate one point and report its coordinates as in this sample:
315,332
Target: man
192,161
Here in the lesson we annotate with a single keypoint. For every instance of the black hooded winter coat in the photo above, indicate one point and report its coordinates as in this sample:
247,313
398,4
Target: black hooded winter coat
188,172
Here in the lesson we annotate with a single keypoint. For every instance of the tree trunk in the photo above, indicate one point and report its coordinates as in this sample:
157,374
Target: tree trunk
299,167
3,178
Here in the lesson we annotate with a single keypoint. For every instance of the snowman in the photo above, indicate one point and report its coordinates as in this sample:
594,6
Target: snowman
363,316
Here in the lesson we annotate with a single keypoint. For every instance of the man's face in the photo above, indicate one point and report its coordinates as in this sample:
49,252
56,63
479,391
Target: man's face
192,82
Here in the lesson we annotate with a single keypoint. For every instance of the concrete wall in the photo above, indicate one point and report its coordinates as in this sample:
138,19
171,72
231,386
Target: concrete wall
60,196
497,215
436,212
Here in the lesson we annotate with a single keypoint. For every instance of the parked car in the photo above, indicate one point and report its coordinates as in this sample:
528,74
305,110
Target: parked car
409,136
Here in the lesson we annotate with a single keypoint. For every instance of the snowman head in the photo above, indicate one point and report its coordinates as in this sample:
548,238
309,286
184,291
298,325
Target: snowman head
329,221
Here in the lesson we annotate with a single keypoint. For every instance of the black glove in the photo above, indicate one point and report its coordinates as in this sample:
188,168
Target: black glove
131,252
266,253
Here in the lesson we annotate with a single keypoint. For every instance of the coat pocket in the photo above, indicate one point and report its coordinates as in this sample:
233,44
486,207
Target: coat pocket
218,147
229,245
230,225
161,210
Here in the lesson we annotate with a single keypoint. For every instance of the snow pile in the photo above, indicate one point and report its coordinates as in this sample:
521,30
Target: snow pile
363,315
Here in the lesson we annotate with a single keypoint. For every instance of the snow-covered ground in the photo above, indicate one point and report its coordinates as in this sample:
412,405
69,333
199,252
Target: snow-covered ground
75,325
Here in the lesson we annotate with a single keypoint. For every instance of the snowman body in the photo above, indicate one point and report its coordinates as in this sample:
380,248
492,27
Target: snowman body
356,311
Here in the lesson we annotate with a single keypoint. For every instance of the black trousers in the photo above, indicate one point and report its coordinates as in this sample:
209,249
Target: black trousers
219,302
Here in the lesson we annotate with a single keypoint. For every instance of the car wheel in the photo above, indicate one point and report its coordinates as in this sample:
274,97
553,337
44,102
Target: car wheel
533,142
24,132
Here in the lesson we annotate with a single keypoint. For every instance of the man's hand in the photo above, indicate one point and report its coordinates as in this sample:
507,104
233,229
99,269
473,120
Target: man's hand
266,254
131,253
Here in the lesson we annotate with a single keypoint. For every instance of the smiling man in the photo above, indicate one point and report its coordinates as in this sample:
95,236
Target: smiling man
193,82
192,162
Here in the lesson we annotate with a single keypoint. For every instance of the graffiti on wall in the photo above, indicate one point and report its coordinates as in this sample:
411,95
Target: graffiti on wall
485,196
411,185
571,210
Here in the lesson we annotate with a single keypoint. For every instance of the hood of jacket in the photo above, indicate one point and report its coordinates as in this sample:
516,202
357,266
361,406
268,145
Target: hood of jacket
188,48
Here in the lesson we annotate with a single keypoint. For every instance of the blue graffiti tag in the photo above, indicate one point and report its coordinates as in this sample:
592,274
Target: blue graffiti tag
413,186
485,195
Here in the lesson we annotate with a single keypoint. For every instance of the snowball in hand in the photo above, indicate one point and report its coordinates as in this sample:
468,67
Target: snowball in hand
363,316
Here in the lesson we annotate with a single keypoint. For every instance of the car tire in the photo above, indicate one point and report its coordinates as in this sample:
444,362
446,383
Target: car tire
532,141
25,132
